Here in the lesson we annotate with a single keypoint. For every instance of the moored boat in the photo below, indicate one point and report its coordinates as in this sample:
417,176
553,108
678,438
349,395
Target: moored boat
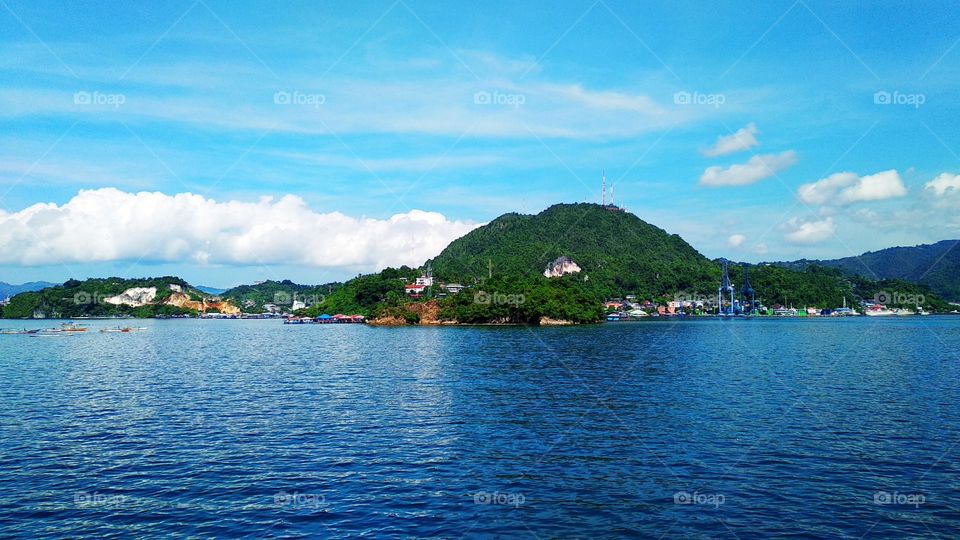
878,310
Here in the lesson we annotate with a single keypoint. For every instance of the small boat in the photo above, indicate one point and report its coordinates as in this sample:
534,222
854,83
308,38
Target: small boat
123,330
68,327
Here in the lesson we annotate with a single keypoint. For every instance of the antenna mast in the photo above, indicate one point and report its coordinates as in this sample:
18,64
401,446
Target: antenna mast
603,191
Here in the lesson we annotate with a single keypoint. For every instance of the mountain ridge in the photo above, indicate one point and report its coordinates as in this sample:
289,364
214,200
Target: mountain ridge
935,265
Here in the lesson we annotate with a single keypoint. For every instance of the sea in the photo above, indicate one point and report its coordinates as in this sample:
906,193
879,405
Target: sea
669,428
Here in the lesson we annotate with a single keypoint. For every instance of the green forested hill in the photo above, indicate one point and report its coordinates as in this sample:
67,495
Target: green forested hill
86,298
251,298
617,251
934,265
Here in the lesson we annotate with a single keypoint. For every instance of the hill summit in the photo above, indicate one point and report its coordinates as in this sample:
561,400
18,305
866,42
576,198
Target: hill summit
614,250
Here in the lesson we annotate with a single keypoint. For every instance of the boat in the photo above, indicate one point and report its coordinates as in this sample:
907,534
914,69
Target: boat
123,330
72,327
878,310
902,312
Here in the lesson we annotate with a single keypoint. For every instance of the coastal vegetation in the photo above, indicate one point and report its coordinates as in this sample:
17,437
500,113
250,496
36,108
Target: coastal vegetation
283,294
103,297
935,265
558,265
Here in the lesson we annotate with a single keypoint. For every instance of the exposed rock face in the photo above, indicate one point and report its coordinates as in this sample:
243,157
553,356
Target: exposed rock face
561,266
135,297
181,300
428,312
547,321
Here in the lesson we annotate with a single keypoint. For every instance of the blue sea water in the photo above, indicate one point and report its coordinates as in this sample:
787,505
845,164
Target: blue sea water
658,429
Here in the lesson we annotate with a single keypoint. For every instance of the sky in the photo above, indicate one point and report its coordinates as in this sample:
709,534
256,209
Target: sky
229,142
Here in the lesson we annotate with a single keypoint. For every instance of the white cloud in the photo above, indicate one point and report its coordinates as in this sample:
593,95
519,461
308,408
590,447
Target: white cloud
110,225
944,185
847,188
736,240
754,170
744,139
809,232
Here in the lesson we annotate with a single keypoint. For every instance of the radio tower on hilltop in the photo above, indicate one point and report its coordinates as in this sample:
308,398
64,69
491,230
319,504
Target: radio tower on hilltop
603,189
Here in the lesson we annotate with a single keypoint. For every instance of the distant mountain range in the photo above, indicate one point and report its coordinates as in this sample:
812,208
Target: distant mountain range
7,289
210,290
934,265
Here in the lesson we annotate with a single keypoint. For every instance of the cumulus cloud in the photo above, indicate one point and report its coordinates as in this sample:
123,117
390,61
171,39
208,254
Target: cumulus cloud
111,225
754,170
736,240
744,139
944,185
809,232
847,188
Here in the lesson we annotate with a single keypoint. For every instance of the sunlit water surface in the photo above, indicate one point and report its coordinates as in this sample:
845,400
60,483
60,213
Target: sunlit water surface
786,428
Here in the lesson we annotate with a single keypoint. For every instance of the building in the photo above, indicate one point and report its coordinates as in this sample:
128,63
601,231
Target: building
453,288
416,290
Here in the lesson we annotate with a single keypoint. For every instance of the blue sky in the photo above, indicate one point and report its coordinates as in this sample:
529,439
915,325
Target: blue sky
319,140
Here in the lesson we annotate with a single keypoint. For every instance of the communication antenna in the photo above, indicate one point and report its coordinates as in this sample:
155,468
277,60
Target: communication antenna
603,190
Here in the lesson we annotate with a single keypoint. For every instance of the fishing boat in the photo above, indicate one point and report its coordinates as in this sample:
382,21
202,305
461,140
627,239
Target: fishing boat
123,330
70,327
